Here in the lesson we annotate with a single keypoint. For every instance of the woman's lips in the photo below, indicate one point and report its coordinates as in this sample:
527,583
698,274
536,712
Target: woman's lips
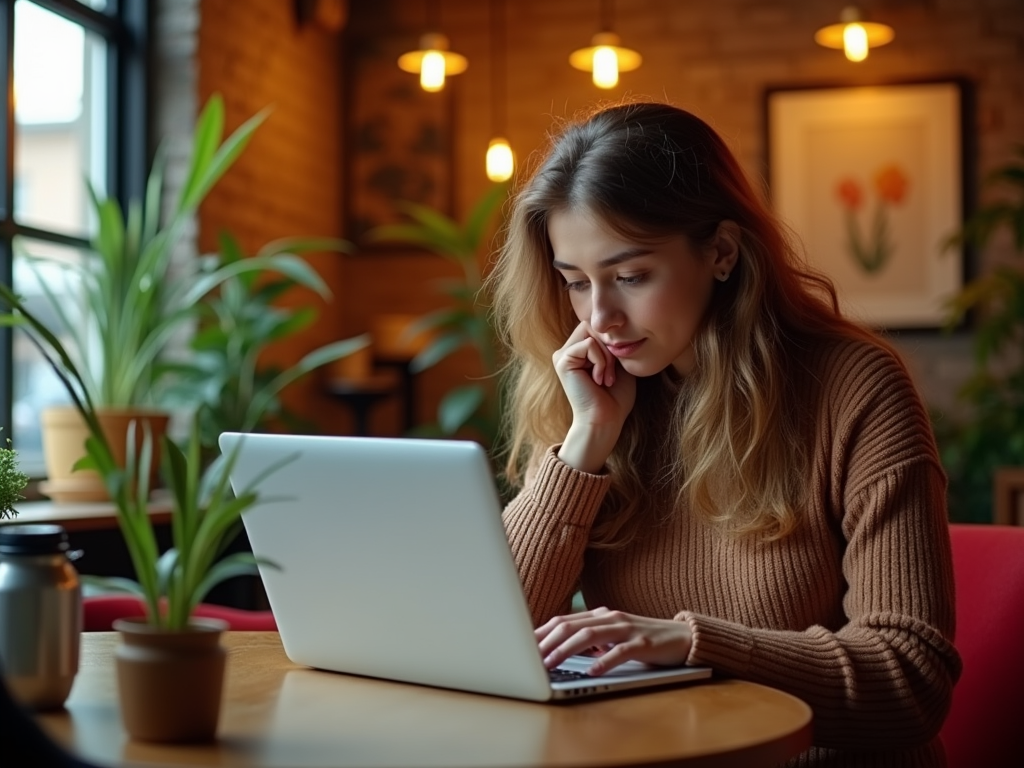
625,348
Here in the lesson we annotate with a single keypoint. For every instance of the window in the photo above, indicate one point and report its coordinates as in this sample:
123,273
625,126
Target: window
78,116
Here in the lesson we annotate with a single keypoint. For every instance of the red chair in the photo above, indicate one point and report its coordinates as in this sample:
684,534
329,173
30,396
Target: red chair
100,611
985,726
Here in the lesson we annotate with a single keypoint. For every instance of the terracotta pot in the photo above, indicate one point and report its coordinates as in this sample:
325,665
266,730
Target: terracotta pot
64,434
170,682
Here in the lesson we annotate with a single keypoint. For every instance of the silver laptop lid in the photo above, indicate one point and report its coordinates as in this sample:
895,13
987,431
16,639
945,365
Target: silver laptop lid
393,560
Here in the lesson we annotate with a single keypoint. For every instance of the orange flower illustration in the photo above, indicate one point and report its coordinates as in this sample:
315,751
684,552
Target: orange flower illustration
891,184
850,194
872,251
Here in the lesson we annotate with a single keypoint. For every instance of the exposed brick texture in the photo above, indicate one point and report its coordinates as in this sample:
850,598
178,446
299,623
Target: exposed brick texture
288,180
715,59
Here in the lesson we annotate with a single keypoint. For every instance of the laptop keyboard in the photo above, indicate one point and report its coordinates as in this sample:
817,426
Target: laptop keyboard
565,675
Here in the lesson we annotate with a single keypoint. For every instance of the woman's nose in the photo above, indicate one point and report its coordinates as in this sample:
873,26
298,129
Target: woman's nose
605,314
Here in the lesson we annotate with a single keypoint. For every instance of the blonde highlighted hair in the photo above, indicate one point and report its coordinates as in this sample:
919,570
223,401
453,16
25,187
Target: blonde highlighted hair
729,439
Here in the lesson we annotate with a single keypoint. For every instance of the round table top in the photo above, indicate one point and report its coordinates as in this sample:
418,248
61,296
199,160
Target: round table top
276,713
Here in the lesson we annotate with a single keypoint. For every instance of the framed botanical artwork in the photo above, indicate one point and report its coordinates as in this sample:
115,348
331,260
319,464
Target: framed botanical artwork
871,181
399,137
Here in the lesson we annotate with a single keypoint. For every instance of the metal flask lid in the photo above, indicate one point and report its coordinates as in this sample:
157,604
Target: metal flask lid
33,539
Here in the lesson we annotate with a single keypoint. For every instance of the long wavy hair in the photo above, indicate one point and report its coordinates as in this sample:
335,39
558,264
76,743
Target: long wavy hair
728,439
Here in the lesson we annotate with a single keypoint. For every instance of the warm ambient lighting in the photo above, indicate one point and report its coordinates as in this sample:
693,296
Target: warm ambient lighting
433,62
500,161
854,35
606,58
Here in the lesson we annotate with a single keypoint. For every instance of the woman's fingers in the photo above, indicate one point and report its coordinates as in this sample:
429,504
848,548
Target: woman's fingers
583,350
624,637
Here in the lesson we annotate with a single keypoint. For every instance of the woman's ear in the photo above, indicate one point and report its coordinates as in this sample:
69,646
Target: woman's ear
725,249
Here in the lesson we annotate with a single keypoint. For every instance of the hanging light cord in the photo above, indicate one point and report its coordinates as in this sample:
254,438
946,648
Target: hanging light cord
497,12
607,16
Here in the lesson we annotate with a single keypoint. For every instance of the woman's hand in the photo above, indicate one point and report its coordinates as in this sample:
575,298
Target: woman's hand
600,393
624,636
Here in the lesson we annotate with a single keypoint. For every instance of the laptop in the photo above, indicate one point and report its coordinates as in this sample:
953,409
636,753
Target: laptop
392,562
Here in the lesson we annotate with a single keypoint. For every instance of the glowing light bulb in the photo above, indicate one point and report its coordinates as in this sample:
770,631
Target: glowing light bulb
606,67
500,161
432,71
855,42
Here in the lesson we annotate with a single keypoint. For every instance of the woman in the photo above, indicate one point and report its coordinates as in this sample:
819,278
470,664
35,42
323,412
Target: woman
732,473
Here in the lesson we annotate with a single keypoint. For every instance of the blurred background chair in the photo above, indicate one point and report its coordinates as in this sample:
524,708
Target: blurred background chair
100,611
986,722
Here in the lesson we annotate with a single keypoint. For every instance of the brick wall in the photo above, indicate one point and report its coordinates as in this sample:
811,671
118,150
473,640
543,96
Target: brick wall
288,180
715,59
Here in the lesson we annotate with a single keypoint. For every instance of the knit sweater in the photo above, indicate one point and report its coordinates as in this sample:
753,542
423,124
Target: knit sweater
853,612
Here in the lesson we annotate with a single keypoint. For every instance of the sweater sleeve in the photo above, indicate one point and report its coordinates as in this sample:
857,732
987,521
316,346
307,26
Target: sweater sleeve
884,679
548,525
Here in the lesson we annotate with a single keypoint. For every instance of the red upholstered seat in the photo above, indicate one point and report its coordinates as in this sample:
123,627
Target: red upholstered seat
99,613
985,726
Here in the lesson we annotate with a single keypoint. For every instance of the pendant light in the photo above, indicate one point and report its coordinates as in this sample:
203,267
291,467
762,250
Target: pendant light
854,35
605,56
500,160
433,61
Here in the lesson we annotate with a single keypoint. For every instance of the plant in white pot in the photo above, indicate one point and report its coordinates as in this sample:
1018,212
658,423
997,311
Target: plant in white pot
128,298
170,665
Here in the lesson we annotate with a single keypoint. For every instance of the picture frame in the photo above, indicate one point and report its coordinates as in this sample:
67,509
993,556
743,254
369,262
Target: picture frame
399,138
871,181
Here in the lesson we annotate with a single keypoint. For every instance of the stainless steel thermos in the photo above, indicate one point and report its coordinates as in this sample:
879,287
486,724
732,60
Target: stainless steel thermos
40,614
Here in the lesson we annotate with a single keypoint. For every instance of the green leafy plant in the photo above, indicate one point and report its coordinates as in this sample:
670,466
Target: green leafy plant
464,322
992,434
237,322
12,482
126,299
205,514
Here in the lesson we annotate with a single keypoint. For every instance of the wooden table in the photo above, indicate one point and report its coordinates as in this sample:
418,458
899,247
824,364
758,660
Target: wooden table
277,713
86,516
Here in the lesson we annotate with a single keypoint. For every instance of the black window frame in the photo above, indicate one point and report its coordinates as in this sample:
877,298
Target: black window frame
125,25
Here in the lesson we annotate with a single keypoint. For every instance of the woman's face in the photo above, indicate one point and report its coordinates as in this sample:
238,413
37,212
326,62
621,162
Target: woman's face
643,301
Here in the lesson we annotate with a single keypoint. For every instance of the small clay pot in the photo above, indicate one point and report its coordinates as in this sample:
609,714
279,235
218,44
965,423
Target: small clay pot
170,682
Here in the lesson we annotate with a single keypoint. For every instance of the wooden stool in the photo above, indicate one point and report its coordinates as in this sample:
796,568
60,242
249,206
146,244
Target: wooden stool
361,394
355,382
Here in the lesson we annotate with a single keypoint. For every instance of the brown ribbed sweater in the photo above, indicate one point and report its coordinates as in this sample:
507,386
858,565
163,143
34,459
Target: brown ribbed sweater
853,612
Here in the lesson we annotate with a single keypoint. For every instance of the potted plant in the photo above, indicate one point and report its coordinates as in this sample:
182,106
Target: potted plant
12,482
464,322
237,322
128,298
170,664
992,434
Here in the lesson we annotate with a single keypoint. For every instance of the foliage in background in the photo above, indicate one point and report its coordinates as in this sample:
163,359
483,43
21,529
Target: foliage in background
205,513
992,434
12,482
131,298
464,322
237,322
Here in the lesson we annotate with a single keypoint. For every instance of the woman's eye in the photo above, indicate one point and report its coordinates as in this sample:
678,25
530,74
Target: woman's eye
576,285
632,279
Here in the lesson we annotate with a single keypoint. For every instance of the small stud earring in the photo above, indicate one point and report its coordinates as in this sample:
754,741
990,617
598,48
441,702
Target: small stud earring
722,276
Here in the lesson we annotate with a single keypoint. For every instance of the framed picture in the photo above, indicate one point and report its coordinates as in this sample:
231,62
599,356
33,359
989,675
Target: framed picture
399,137
871,181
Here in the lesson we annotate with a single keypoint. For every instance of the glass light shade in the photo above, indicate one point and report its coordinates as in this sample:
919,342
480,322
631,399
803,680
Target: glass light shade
434,57
605,52
500,160
853,35
432,71
855,42
606,67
